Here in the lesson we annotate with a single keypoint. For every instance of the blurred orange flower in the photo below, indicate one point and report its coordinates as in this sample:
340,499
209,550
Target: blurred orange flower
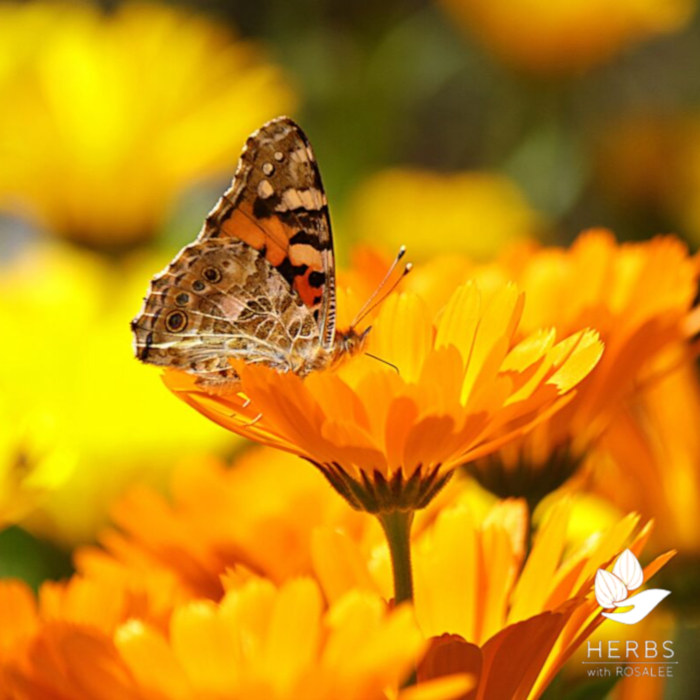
257,516
638,296
258,641
649,457
72,618
568,36
180,584
389,439
166,551
115,114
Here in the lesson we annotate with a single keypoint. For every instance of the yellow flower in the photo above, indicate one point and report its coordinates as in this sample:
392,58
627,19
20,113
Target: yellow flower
68,385
114,115
567,36
475,212
387,437
162,612
257,642
549,608
31,464
492,610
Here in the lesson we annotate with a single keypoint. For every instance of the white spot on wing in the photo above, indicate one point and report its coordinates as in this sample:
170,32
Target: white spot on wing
311,199
300,155
291,199
265,189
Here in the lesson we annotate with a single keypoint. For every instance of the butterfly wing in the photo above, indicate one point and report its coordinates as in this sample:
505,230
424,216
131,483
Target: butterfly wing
259,281
221,299
277,205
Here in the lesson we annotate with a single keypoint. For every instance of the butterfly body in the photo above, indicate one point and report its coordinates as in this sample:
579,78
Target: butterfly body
258,284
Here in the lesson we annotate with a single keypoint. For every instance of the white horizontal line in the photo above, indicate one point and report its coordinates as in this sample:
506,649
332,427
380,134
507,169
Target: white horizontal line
629,663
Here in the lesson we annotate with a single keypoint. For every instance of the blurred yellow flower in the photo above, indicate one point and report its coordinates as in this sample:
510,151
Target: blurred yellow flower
31,464
388,439
114,115
471,212
567,36
69,384
259,641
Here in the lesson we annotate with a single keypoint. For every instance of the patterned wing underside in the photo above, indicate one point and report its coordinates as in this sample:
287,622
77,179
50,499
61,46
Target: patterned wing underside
277,205
221,299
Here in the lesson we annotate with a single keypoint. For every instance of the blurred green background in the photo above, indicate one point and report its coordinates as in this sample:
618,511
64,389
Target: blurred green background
407,83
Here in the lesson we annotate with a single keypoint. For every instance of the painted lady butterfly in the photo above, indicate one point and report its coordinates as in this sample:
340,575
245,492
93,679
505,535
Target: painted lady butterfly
258,283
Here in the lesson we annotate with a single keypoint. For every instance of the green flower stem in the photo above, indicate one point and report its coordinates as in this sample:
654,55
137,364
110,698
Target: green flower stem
397,527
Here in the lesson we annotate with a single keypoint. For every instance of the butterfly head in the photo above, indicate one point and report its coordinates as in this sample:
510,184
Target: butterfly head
352,341
349,342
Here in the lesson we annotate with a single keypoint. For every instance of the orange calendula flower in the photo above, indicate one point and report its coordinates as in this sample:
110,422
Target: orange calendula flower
639,297
568,36
262,642
258,516
115,114
387,435
66,622
258,641
539,615
509,617
166,551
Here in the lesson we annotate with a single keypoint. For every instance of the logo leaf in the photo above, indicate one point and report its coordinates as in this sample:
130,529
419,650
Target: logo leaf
628,570
610,591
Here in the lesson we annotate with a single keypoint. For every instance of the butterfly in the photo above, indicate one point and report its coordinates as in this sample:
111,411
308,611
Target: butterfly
258,283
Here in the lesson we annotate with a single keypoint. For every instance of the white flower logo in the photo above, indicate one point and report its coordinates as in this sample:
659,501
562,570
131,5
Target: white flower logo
613,587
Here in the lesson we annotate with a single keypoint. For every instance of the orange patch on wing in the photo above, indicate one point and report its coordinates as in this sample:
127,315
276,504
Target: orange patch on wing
270,233
309,295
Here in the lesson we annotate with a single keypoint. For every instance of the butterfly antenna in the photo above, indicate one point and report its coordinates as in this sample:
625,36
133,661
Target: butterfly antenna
382,360
379,294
